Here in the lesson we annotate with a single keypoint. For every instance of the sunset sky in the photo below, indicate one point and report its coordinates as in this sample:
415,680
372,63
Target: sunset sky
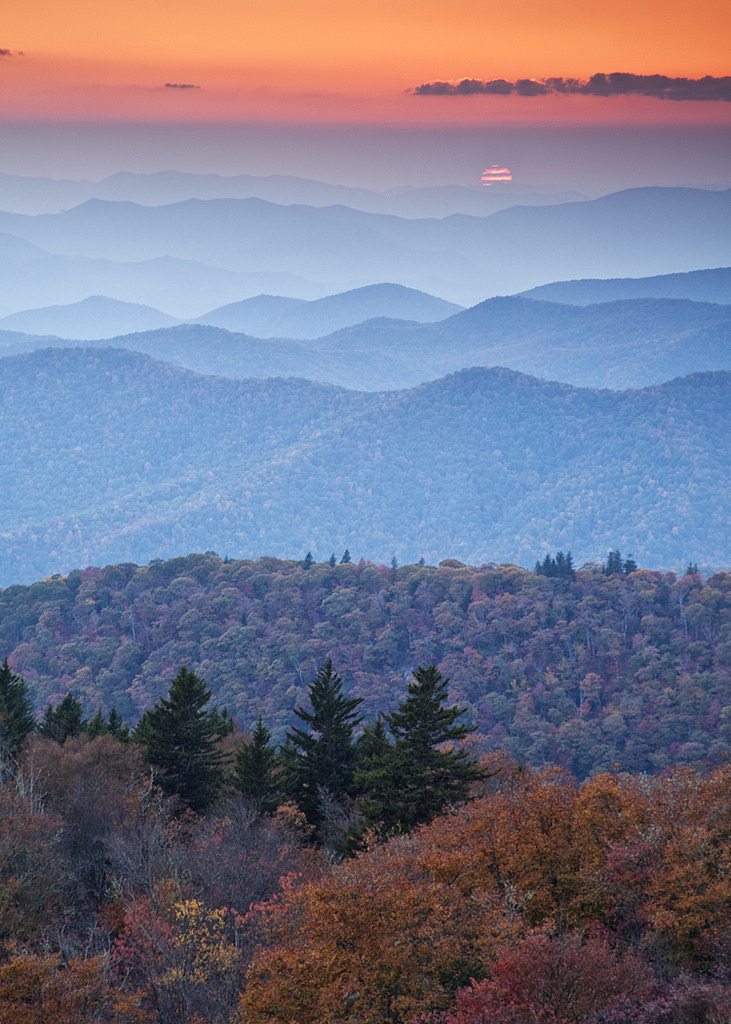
339,60
318,88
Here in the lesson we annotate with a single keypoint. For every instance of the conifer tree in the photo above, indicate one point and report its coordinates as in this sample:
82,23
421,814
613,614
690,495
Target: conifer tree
256,770
113,725
322,755
96,726
16,711
332,560
307,560
346,559
182,740
117,727
614,563
417,778
374,772
629,565
63,721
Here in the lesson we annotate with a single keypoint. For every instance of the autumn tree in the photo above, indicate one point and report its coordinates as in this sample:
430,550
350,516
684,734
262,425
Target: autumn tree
563,979
41,990
182,741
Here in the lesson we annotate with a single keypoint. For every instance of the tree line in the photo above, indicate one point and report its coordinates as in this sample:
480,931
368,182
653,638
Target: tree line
346,776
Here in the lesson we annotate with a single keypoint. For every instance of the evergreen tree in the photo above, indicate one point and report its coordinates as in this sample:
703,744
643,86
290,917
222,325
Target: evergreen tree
16,712
691,569
96,726
629,565
614,564
322,756
182,740
307,560
332,560
113,725
63,721
117,727
417,779
346,559
256,770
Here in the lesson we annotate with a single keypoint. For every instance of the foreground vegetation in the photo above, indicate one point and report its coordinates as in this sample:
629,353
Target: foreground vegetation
540,900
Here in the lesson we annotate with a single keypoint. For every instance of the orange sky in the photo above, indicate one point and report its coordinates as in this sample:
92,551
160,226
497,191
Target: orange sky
344,60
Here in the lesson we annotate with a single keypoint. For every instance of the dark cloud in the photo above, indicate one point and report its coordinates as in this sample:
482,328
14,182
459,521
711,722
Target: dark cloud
181,85
617,84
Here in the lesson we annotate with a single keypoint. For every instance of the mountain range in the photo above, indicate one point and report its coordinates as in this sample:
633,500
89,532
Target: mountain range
645,231
272,316
632,343
713,285
101,317
20,194
110,456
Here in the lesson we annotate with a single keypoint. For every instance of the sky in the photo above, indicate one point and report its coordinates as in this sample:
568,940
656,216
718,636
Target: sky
355,64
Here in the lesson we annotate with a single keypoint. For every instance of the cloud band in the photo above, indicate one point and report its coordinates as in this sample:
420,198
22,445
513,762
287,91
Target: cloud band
617,84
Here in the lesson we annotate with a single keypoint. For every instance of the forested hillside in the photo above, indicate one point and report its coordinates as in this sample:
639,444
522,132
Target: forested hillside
603,671
109,456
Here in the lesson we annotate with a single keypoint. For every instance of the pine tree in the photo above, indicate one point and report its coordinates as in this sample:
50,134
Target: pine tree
691,569
629,565
322,756
417,778
613,564
182,740
96,726
256,770
346,559
16,712
307,560
332,560
63,721
113,725
117,727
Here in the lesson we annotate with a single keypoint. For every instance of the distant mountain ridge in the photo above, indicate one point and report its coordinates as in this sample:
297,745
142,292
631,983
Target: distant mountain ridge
99,317
633,343
461,258
269,316
94,317
713,285
43,195
109,456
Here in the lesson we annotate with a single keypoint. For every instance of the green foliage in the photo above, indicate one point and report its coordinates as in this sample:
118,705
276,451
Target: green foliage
321,756
63,721
181,737
16,711
413,780
560,567
113,725
256,771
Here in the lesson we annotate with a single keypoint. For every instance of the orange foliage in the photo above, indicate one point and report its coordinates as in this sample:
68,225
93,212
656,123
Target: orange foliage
37,990
395,932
